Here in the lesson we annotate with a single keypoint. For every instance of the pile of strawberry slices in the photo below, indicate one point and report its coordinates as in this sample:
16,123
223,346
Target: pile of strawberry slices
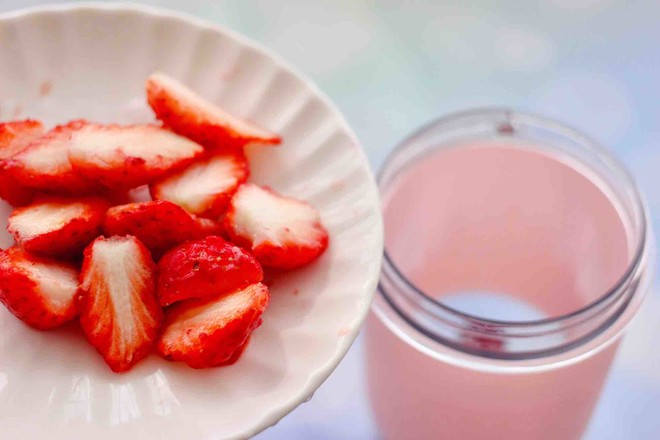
181,273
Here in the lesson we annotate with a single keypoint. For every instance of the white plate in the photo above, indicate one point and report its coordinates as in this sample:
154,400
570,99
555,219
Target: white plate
59,63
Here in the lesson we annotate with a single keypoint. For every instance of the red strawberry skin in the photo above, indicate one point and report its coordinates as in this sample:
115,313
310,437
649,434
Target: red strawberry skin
15,136
190,115
236,355
287,257
27,296
68,238
159,224
210,266
44,163
212,331
12,191
119,313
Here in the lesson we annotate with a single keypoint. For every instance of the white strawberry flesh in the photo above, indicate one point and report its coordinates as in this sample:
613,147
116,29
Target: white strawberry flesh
266,217
198,186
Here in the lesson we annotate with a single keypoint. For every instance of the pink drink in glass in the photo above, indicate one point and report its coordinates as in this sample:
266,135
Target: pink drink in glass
512,265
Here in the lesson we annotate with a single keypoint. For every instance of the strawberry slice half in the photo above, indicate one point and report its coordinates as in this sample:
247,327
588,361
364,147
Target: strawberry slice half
205,267
128,156
205,227
40,291
282,233
15,136
213,331
192,116
159,224
236,355
45,165
119,312
205,187
58,226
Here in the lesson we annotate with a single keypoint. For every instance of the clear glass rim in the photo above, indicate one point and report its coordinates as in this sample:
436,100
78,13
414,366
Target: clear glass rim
640,213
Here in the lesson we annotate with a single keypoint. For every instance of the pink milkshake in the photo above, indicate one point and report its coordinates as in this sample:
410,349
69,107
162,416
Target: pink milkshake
516,253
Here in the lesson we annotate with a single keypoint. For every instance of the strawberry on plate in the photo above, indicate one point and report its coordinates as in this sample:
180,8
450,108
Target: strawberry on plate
159,224
205,267
123,196
15,136
192,116
119,312
39,291
58,226
281,232
206,226
205,187
45,165
236,355
212,331
127,156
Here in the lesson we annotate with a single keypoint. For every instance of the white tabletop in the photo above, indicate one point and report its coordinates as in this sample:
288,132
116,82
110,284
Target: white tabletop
391,65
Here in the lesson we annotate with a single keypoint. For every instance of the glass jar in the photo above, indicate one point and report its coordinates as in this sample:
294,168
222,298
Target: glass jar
516,252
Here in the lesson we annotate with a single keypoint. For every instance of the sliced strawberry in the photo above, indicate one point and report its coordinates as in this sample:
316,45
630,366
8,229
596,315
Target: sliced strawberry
123,196
40,291
11,190
115,197
15,137
159,224
58,226
119,312
128,156
206,227
236,355
283,233
205,187
212,331
45,165
205,267
192,116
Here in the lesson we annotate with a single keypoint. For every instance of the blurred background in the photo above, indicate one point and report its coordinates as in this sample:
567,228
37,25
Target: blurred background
392,65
